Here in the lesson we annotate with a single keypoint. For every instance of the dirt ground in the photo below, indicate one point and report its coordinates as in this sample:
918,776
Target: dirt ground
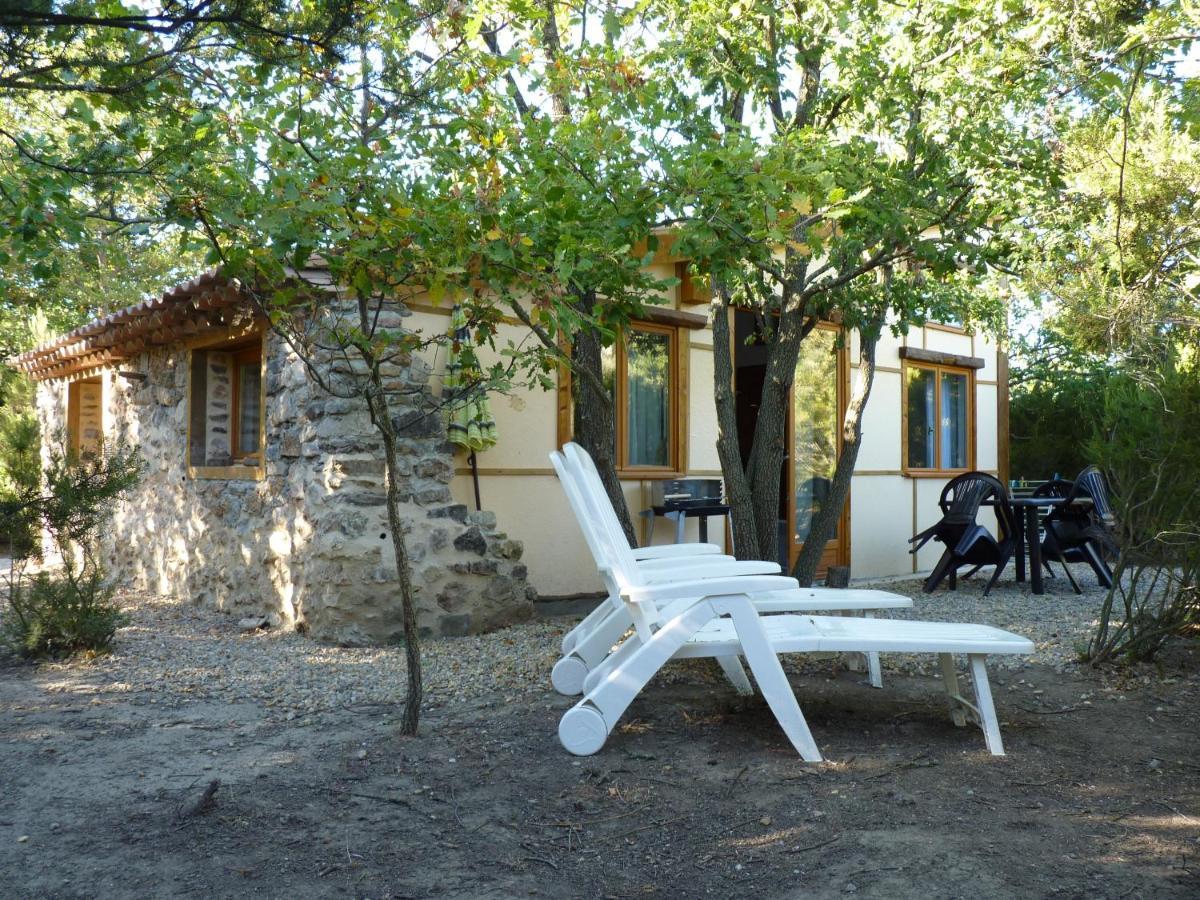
697,794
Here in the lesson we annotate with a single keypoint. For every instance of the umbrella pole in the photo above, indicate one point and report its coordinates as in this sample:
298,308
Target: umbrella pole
475,478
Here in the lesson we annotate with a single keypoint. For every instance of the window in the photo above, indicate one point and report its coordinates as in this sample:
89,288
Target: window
226,408
938,417
646,376
85,416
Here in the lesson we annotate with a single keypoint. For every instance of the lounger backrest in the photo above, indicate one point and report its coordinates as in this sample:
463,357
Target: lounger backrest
585,517
622,568
609,528
579,508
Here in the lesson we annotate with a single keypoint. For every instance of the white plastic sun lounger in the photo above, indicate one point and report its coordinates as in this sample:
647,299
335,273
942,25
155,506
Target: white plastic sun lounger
586,660
718,618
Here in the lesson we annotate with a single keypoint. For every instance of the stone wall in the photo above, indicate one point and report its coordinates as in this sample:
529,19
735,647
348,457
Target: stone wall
306,545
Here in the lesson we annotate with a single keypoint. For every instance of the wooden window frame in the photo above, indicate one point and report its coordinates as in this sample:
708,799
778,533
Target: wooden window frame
677,353
241,355
239,342
938,471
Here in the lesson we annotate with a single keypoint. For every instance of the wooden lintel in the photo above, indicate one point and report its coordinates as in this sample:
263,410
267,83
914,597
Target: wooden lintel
675,317
939,358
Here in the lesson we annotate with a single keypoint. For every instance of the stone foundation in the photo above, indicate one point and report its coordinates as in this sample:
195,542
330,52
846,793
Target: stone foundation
306,544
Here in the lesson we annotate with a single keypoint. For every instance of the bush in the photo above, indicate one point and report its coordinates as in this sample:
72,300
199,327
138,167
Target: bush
1149,451
59,616
71,610
1051,421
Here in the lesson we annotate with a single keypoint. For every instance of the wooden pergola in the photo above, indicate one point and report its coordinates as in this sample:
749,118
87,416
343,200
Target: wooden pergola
207,304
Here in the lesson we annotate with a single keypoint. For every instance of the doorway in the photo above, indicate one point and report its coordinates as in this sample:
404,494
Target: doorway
819,395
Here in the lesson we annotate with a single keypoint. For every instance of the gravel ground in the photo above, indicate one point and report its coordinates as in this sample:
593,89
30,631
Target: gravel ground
104,764
176,654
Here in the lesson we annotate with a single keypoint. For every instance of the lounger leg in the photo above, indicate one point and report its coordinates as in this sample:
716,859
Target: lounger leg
594,618
584,727
569,675
950,683
768,672
874,672
983,701
732,667
601,671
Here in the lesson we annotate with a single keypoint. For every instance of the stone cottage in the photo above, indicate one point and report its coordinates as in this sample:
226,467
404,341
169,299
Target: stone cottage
262,493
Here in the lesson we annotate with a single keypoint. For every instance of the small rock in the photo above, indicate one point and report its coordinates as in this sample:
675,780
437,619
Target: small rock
765,820
253,623
23,839
850,887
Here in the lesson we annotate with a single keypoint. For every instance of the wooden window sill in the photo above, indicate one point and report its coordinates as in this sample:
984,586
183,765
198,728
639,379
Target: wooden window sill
935,473
227,473
649,474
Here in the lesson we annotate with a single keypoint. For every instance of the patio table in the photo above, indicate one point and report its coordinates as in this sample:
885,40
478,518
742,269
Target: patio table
1027,524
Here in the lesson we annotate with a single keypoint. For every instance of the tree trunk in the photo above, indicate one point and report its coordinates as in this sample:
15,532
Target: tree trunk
412,647
824,523
769,451
737,487
594,424
381,416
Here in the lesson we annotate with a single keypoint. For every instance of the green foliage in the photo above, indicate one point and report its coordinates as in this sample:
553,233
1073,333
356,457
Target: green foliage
69,609
1148,448
60,616
1051,423
20,462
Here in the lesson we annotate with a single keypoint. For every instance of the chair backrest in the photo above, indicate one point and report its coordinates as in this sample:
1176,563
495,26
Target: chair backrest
1090,483
963,495
1055,487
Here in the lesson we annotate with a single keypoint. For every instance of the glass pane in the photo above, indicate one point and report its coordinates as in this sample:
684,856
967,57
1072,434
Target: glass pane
954,421
648,357
815,412
608,374
249,384
922,411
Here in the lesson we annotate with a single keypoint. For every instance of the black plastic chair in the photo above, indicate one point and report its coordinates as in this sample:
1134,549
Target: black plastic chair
1060,488
1083,532
967,542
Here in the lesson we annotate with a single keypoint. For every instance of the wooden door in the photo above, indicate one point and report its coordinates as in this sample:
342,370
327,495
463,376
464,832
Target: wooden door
818,405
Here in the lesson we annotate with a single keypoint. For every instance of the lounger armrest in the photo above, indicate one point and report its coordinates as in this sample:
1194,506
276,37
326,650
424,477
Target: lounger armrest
709,587
672,551
683,562
707,570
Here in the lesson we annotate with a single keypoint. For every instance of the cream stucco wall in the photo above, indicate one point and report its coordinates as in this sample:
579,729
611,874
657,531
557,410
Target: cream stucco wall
886,507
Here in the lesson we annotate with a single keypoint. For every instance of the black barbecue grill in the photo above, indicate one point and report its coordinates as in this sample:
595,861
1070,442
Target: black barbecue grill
680,499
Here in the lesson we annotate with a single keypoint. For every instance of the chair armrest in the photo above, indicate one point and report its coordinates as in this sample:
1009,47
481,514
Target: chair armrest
671,551
711,587
697,572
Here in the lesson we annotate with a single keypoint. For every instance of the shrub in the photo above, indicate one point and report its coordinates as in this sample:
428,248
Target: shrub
59,616
1149,451
72,609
